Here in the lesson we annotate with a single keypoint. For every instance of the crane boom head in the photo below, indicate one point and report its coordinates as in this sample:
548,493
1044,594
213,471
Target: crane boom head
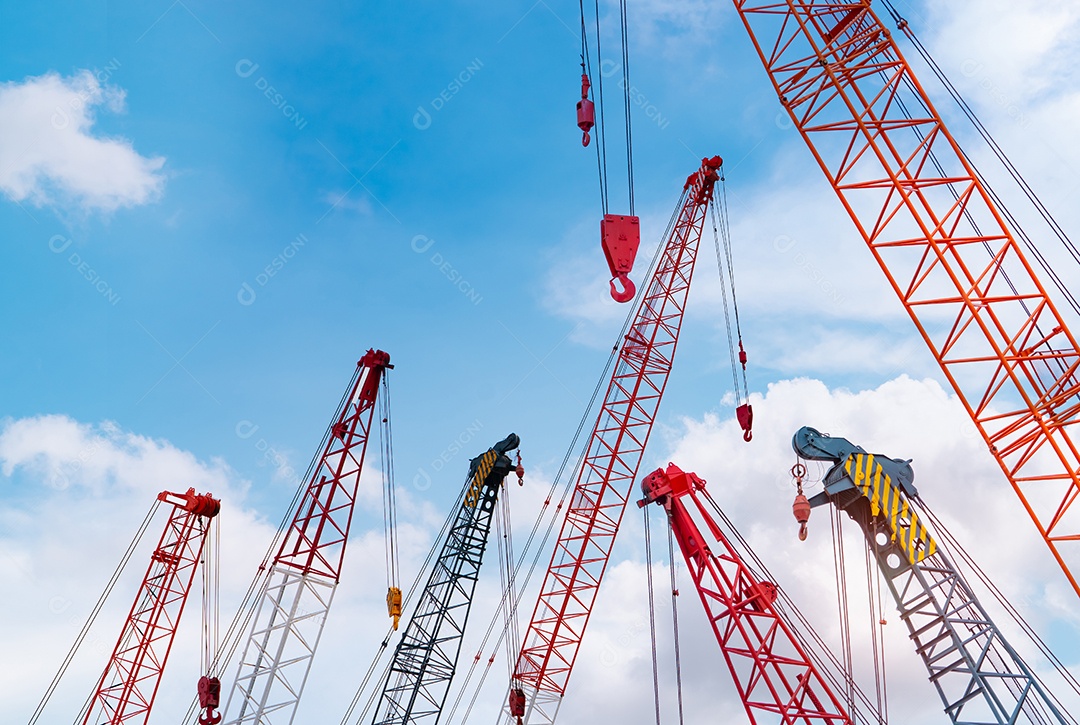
813,445
502,463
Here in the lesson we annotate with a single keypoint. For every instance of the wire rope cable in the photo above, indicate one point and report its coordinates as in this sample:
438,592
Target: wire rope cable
672,564
652,613
124,559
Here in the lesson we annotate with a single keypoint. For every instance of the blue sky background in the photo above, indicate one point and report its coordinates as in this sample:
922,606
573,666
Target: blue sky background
410,135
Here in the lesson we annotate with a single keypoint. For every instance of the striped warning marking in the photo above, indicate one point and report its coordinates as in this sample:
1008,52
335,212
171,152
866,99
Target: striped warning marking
487,462
888,501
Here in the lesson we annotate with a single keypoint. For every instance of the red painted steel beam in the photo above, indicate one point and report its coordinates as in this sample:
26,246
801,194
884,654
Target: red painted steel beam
125,693
315,542
772,672
614,452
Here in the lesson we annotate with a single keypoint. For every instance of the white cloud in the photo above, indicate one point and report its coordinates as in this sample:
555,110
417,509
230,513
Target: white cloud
71,495
902,418
49,154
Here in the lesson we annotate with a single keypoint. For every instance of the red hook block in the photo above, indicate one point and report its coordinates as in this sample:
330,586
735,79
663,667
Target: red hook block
620,236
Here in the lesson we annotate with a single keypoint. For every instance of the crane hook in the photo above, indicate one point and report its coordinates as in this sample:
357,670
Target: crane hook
209,699
628,291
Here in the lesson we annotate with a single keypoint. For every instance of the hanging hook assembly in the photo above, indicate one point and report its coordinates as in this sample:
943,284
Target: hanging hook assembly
801,507
620,236
586,112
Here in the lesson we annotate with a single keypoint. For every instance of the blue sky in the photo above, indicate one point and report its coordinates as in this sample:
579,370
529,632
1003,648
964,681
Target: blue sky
412,176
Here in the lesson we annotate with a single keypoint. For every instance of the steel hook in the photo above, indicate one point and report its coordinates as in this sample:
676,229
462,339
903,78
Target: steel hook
628,291
585,138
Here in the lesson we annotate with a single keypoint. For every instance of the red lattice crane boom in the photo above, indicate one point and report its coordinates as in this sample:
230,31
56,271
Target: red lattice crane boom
614,453
773,673
297,595
942,242
125,693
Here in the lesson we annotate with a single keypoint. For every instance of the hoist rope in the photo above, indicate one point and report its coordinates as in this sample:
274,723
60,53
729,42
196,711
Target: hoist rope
509,582
828,666
727,313
626,102
652,613
721,234
883,706
601,131
386,430
211,602
94,613
876,645
840,573
675,619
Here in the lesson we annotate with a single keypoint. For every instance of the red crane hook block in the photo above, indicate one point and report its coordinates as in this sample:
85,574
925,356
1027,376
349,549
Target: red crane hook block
586,112
209,700
745,415
620,236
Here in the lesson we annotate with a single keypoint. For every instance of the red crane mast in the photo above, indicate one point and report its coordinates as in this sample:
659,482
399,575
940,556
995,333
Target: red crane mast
772,671
943,243
299,589
125,693
614,453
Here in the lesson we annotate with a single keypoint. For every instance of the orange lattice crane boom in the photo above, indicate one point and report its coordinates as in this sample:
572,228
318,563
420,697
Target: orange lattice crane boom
943,243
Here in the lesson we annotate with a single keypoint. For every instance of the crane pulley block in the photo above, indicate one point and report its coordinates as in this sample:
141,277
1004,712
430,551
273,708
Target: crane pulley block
517,702
760,595
393,604
209,700
586,111
745,415
620,236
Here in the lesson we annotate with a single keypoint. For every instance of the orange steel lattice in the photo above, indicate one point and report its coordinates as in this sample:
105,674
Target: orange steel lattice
943,245
615,448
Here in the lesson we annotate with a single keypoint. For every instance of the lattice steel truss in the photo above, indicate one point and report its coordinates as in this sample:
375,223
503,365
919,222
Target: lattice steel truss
299,589
427,653
125,693
976,672
614,453
773,673
943,244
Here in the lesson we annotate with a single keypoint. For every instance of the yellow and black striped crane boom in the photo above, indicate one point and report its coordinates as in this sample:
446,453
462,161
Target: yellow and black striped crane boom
978,675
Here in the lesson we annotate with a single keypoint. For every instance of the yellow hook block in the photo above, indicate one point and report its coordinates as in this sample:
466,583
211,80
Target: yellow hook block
393,604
